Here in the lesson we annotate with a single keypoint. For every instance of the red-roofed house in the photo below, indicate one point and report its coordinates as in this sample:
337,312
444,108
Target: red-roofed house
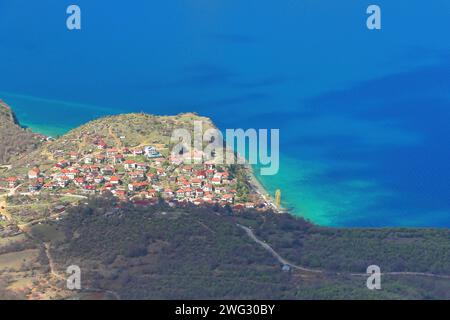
208,187
201,174
137,152
196,182
199,193
118,158
63,181
108,186
142,166
137,186
114,180
168,193
107,171
100,158
111,152
130,165
180,193
210,173
99,179
89,189
137,175
80,182
12,182
119,193
73,155
34,173
102,145
228,198
49,186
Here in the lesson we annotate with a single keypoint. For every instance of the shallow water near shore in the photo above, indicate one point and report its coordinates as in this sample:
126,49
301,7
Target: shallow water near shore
363,116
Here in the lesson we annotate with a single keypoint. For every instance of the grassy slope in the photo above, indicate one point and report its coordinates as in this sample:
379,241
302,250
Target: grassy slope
135,129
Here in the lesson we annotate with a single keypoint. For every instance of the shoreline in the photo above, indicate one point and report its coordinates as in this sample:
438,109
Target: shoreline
19,102
258,187
255,184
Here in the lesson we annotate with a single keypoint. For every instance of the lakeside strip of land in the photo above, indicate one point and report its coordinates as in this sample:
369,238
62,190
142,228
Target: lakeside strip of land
259,188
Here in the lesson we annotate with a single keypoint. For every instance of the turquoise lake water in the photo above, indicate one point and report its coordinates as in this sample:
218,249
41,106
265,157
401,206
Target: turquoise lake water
363,115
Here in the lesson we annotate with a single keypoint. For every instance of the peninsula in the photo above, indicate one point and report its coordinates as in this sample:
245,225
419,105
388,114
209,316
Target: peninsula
110,198
130,156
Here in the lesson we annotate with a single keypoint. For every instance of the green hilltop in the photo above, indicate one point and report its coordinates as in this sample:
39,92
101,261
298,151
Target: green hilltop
117,131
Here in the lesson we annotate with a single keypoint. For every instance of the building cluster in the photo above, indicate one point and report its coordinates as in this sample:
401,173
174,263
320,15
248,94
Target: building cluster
141,174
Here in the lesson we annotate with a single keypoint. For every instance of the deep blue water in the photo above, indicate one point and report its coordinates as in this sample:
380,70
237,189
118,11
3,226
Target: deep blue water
363,115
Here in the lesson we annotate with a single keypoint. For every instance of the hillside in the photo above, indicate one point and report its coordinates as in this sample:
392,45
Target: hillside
200,253
118,131
108,197
129,131
14,140
130,251
131,156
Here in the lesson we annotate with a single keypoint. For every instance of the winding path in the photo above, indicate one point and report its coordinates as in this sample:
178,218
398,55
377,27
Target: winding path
283,261
115,138
55,273
275,254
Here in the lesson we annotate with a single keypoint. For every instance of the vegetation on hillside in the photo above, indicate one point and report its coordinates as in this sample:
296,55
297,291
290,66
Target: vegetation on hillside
163,252
118,131
130,130
14,140
354,249
160,251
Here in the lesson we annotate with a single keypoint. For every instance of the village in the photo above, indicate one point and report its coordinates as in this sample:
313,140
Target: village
141,175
